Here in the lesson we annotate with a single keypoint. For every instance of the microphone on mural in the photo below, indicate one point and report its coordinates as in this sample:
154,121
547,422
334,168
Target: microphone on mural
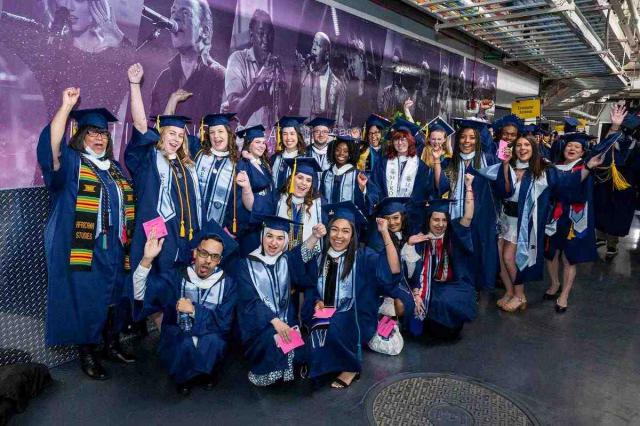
160,21
60,26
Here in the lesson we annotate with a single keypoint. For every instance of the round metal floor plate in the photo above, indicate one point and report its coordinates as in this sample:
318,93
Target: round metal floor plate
442,400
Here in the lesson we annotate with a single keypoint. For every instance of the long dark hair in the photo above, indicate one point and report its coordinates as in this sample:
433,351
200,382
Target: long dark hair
312,194
351,147
300,146
454,164
537,164
264,158
77,141
350,255
400,242
446,240
231,144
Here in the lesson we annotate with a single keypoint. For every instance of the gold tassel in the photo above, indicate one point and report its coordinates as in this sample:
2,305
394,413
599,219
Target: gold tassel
572,234
190,234
445,196
293,174
364,132
158,123
74,128
362,160
619,182
278,138
202,130
182,230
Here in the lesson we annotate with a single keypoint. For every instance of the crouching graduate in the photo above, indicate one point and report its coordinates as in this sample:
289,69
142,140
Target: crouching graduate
266,279
87,235
347,280
197,319
440,270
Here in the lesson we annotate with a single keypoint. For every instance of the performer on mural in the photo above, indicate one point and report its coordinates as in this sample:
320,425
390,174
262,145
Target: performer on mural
254,81
87,235
361,83
320,92
192,68
394,95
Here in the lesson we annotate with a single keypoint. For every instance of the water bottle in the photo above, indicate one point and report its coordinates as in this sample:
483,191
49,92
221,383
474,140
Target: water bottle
184,322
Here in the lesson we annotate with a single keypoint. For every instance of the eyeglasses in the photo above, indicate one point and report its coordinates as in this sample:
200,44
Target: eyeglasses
98,133
203,254
320,132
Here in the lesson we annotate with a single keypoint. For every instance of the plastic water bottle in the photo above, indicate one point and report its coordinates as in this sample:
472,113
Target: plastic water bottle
184,322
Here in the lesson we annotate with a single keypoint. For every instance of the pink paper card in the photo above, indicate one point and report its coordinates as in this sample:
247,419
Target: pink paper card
158,225
324,313
385,326
295,341
502,148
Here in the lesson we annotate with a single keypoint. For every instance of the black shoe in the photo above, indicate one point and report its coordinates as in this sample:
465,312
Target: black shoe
90,364
554,296
114,352
209,382
183,389
560,309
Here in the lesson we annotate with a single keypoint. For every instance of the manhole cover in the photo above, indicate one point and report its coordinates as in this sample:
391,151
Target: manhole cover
442,400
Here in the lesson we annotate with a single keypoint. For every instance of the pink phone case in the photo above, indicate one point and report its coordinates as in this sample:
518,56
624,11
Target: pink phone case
501,149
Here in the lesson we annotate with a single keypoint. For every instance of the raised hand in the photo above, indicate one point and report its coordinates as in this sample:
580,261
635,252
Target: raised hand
181,95
468,180
382,224
507,152
362,181
70,96
135,73
595,161
417,239
242,179
319,230
153,246
618,113
486,104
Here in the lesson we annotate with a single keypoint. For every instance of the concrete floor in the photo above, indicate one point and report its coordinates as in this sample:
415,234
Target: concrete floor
580,368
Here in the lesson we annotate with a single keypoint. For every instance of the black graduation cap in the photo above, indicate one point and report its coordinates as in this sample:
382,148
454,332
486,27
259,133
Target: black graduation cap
570,124
631,121
250,133
439,124
378,121
171,120
440,205
402,124
221,119
579,137
344,210
321,121
605,144
96,117
346,138
472,123
275,222
510,119
290,121
306,165
213,228
391,205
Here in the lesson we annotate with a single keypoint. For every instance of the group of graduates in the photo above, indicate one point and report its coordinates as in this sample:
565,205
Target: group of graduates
309,256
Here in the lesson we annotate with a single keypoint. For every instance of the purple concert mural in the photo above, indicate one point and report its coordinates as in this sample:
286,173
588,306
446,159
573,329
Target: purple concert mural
259,58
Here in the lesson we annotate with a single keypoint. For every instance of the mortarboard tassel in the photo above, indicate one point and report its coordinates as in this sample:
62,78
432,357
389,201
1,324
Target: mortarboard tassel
183,232
364,132
74,128
619,182
158,123
201,129
572,234
278,138
293,174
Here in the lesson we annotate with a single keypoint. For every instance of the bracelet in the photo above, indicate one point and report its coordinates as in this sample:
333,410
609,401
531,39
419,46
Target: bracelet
388,244
131,82
586,166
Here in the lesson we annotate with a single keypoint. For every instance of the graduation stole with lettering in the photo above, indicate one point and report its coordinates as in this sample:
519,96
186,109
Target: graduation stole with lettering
578,212
87,210
436,266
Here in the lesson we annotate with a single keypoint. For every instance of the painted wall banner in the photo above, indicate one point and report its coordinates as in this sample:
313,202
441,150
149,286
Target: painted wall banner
314,60
526,108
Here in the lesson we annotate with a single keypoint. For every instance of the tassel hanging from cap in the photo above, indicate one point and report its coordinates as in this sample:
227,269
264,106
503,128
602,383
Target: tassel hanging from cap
234,224
572,234
364,132
158,123
74,128
202,130
183,232
293,175
278,138
619,182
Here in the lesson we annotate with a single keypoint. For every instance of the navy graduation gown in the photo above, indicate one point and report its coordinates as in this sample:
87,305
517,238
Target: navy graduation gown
485,263
261,184
614,209
78,301
579,247
557,183
423,189
355,320
335,189
211,325
256,309
280,171
216,176
453,302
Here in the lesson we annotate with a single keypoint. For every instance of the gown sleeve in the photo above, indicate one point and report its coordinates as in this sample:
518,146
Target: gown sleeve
220,319
136,154
194,146
500,185
54,179
462,236
253,314
486,142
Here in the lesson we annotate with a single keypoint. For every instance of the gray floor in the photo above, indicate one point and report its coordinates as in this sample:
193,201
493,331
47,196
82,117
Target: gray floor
579,368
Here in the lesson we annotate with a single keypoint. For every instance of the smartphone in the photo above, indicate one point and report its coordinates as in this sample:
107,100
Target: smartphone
502,148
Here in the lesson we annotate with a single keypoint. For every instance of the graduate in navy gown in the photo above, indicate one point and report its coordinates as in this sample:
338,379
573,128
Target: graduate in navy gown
215,156
198,317
570,233
342,181
402,174
87,235
254,169
289,144
266,278
374,146
526,182
439,147
348,279
508,128
165,181
438,263
320,131
619,193
468,157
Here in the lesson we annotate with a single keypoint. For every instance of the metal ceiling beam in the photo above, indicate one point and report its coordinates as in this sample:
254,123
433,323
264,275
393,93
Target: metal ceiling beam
525,58
546,51
470,6
497,10
512,16
525,29
534,34
534,43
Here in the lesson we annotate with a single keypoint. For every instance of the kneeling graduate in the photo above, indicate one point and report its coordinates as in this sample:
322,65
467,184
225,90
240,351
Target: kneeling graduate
198,318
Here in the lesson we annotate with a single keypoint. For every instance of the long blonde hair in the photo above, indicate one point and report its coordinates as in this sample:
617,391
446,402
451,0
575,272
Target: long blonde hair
183,152
427,152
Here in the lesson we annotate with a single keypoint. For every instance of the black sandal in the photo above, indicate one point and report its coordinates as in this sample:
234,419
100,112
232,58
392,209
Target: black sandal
342,383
